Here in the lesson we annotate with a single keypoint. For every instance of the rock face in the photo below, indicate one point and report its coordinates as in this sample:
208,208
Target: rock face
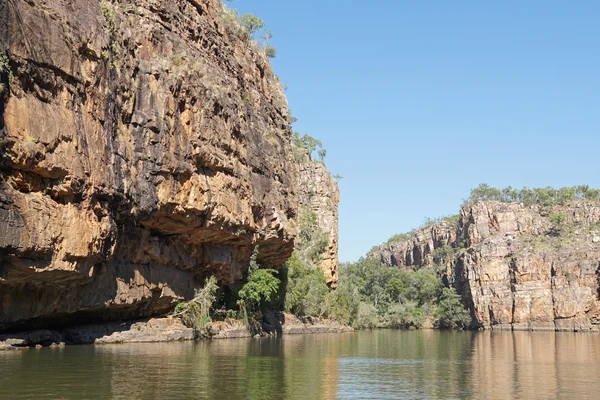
319,192
145,146
515,267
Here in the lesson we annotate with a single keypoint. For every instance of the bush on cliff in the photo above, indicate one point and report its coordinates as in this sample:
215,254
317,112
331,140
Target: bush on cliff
547,196
311,241
196,312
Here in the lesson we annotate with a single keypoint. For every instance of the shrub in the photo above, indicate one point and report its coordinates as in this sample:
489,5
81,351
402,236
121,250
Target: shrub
450,313
270,51
529,196
405,316
5,67
443,254
367,317
307,142
311,241
322,153
400,237
261,288
196,312
305,288
251,23
342,304
557,219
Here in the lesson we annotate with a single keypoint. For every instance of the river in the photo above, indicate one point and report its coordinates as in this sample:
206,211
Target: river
384,364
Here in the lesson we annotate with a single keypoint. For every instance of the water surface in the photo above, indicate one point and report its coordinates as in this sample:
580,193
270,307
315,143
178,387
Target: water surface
385,364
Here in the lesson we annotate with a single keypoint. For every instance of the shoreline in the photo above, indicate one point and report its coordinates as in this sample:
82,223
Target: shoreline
171,329
164,329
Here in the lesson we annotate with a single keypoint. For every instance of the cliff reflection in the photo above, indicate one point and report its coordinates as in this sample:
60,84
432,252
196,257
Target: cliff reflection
535,365
292,367
383,364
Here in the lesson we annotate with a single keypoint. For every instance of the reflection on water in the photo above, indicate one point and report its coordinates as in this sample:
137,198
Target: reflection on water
379,365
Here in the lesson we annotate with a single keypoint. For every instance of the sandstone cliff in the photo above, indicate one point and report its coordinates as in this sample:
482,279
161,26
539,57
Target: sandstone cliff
516,267
145,146
319,192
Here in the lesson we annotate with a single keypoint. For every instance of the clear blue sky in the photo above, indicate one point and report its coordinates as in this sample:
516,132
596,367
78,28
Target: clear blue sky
417,102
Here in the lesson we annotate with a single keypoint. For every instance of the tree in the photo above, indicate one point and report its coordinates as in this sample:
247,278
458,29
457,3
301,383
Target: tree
322,153
261,287
307,142
196,312
305,288
270,51
251,23
450,313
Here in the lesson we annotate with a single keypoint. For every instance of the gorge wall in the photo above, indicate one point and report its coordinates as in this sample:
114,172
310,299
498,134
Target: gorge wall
515,267
146,145
320,194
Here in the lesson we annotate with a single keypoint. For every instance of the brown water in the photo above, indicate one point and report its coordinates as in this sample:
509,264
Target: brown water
382,364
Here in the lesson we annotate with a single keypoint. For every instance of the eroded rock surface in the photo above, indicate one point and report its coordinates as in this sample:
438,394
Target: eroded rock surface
516,267
145,146
319,193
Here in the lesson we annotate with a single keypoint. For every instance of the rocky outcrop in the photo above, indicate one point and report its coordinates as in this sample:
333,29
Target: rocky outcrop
418,248
319,193
166,329
516,267
145,146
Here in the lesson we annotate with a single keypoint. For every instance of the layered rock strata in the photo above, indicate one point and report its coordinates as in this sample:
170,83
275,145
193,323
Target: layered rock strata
516,267
145,146
319,193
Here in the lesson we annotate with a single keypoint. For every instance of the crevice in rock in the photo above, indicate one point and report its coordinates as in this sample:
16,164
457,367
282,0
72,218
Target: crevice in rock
512,266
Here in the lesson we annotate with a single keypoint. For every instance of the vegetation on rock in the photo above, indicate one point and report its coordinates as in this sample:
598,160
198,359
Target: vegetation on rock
260,289
196,313
543,196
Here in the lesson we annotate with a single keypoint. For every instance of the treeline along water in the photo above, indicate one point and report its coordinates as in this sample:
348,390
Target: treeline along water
383,364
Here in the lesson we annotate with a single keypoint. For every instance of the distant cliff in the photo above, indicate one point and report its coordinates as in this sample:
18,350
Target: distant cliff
145,145
515,266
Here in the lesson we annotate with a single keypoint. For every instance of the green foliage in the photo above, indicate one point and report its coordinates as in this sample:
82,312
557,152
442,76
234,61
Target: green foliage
337,177
251,23
110,18
5,68
547,196
177,60
400,237
427,222
450,313
291,118
270,51
311,240
342,303
557,219
405,316
305,290
196,312
452,219
307,142
367,317
443,254
261,286
322,153
390,297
